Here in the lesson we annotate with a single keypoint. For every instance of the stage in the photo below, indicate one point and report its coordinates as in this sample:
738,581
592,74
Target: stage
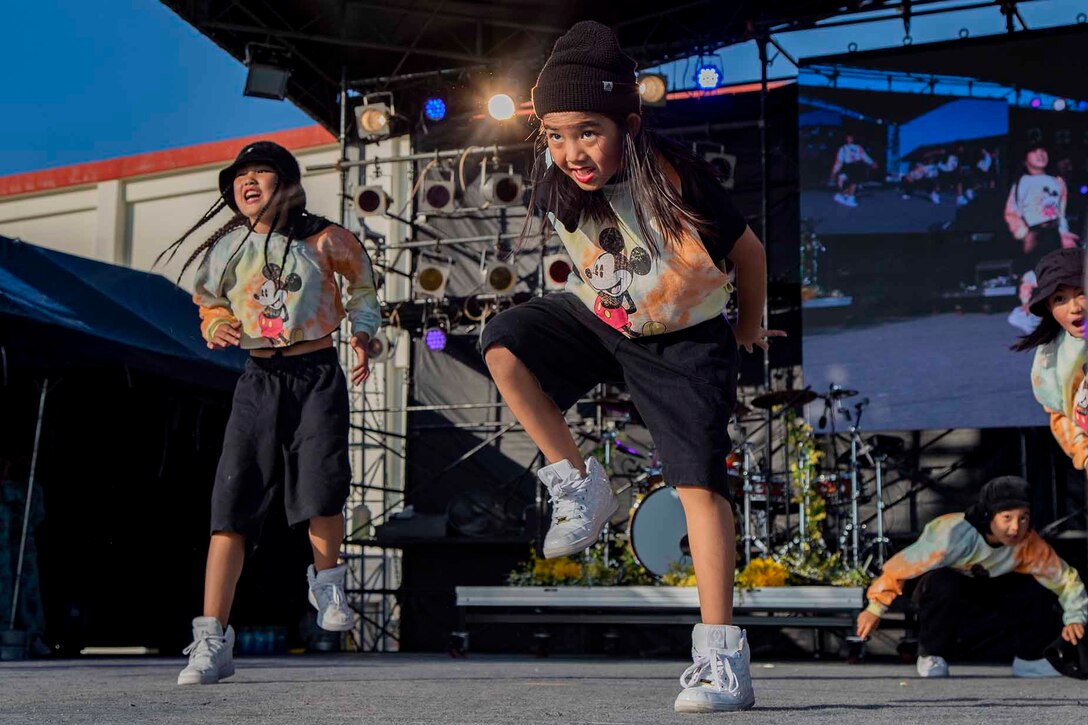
493,689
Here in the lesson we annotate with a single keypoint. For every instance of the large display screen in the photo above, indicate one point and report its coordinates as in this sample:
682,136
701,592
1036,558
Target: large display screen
927,198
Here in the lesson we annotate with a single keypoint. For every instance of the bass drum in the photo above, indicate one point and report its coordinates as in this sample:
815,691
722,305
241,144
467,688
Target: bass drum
659,531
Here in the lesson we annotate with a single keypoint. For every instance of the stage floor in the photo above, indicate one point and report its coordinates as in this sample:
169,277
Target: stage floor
496,689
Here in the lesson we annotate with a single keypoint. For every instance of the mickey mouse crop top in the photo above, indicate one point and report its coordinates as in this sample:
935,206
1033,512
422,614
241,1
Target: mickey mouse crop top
300,301
637,295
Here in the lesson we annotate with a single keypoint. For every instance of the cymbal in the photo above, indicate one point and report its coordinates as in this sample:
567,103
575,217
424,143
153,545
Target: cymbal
792,398
741,410
840,393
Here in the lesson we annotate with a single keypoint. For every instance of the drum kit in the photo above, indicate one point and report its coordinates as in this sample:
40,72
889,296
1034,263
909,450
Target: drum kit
772,508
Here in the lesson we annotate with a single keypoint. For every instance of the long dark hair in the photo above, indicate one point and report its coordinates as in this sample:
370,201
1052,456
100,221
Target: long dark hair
296,201
1047,331
655,197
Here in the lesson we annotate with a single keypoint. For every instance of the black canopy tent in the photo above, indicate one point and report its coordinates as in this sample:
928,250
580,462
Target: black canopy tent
102,369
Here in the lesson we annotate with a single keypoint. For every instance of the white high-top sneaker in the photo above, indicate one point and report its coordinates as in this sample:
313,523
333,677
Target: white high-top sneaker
327,596
211,655
719,679
1033,668
932,666
581,506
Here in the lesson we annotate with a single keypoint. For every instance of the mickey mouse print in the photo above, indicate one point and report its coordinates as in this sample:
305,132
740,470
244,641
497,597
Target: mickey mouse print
633,291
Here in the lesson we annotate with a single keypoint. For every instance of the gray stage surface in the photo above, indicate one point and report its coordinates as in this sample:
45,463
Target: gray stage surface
938,371
490,689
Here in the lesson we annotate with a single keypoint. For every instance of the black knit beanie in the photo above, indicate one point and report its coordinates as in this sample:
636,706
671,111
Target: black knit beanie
999,494
587,72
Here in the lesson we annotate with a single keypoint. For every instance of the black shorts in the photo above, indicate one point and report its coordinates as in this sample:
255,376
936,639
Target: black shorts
683,383
288,432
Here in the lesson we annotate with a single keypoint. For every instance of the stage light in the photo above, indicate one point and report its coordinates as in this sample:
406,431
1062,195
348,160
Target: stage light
371,201
1084,190
268,73
1082,106
653,87
437,195
501,107
431,279
708,77
437,192
434,335
378,347
724,164
434,109
500,189
500,278
1059,104
374,118
556,271
1036,102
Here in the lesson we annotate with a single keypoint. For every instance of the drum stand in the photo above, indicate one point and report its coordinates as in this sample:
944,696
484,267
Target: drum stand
882,541
750,537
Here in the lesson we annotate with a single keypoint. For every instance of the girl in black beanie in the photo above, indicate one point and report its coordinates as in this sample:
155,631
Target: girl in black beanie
650,230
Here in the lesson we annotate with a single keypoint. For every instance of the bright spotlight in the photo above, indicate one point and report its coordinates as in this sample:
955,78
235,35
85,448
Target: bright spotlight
652,87
708,77
434,109
374,118
1036,102
501,107
1059,104
1084,190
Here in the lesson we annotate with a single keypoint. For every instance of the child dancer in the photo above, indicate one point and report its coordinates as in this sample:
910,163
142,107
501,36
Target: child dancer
965,598
645,224
1057,373
267,283
846,171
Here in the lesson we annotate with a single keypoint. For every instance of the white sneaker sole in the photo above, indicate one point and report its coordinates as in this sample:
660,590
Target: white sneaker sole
555,552
690,706
196,678
338,627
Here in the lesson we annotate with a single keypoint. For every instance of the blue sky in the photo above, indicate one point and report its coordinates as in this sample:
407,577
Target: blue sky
85,81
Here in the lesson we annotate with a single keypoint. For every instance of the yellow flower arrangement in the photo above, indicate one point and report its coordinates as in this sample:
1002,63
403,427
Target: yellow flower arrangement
680,575
763,573
557,571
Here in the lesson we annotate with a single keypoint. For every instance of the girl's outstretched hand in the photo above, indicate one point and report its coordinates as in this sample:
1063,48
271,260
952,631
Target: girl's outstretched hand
867,623
225,335
361,371
762,339
1073,633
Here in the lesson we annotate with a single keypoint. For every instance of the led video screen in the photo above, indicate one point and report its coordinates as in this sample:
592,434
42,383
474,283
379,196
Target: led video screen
931,184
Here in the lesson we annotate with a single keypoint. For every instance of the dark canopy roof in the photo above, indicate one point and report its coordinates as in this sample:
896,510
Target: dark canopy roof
60,310
1044,61
372,41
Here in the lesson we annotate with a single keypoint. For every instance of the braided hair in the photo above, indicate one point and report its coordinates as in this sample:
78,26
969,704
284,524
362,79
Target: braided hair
236,221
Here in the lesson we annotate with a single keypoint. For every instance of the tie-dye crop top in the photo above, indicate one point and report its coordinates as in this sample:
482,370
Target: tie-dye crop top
631,291
283,299
1061,387
952,541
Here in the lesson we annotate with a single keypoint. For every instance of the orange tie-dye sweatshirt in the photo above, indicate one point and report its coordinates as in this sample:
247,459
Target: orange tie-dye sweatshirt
237,282
952,541
1058,381
622,283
